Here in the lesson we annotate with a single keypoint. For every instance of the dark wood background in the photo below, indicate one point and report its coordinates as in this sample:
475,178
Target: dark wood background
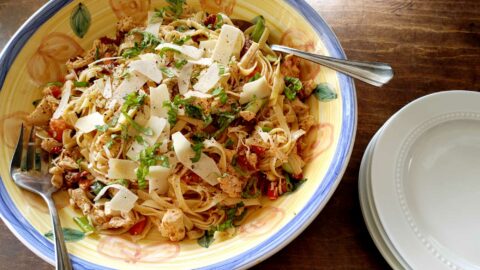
432,46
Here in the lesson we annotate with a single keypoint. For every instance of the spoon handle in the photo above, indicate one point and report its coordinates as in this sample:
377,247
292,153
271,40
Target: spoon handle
373,73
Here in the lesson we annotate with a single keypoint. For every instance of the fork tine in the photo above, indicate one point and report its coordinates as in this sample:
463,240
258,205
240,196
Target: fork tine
17,156
30,151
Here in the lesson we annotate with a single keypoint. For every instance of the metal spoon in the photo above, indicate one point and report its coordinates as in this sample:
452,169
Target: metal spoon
373,73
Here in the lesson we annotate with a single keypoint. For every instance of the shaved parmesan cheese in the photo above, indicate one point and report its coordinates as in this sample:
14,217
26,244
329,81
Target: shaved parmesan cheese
153,24
184,78
133,82
104,59
255,89
208,79
230,42
121,169
109,211
150,56
147,68
107,90
87,123
206,167
157,97
196,94
158,179
156,124
202,62
123,201
187,50
208,46
66,92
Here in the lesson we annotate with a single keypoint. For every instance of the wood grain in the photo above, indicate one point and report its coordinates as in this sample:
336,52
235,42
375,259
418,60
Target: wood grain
432,46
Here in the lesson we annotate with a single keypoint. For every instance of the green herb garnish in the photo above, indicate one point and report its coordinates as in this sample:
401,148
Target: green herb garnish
221,94
259,28
324,92
197,147
167,72
80,84
255,77
180,63
182,40
292,86
147,158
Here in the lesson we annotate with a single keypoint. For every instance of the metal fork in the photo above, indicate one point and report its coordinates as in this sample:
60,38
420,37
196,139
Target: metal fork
30,171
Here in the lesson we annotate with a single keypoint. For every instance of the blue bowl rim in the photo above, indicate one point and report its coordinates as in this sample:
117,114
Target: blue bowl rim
36,242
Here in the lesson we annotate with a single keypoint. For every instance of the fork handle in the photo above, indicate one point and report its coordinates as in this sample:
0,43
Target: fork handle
373,73
61,253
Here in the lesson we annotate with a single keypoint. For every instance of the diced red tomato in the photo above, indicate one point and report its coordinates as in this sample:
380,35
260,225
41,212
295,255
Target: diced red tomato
57,126
191,178
260,151
138,227
56,91
272,191
242,161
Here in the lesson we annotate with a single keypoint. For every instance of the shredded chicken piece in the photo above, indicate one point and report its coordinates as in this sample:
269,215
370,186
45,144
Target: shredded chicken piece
172,225
50,144
42,113
57,176
98,217
247,115
126,220
231,185
81,200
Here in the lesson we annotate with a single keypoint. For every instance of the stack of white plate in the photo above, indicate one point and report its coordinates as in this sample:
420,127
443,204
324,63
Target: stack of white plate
419,184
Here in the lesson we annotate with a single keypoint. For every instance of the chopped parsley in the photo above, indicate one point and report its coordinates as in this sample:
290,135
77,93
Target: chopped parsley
180,63
207,239
182,40
167,72
137,126
80,84
255,77
197,147
148,157
174,6
223,121
292,86
132,52
221,70
219,22
221,94
101,128
258,29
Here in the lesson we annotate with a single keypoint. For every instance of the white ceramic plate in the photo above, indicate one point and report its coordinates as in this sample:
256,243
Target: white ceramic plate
426,181
369,211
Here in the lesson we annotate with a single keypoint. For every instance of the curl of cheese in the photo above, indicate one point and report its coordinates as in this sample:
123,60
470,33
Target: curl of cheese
230,42
88,123
206,167
256,89
158,95
122,169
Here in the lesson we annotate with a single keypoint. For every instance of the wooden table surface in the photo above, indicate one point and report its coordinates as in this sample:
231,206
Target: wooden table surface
432,46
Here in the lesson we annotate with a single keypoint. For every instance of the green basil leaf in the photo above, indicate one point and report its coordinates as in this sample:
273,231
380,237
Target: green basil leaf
71,235
80,20
207,239
324,92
